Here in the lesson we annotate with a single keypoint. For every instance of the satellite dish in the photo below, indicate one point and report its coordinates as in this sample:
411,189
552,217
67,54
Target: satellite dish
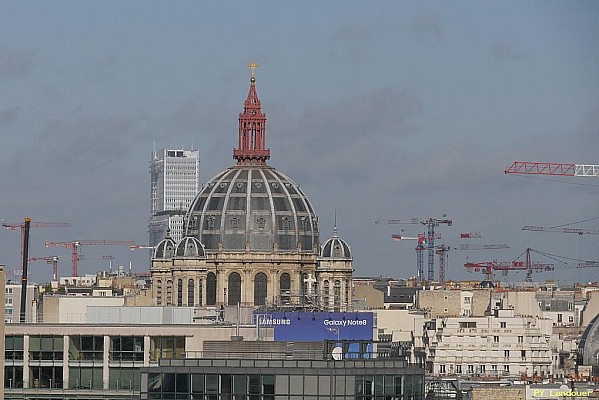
337,353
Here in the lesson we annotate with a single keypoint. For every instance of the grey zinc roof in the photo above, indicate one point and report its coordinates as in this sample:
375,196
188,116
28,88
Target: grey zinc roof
253,205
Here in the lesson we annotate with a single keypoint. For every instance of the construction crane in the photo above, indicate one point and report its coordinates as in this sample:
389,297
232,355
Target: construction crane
33,224
529,266
419,253
545,168
482,247
442,253
430,223
76,244
137,247
49,260
560,230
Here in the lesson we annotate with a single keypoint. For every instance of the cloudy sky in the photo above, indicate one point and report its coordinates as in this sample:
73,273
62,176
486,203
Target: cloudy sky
379,110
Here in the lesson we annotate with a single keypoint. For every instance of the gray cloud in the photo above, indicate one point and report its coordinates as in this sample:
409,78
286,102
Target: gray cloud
506,51
351,43
427,28
334,137
104,69
15,63
9,115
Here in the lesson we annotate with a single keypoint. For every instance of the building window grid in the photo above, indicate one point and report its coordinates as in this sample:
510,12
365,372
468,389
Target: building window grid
13,348
86,348
46,348
126,348
254,386
170,347
213,386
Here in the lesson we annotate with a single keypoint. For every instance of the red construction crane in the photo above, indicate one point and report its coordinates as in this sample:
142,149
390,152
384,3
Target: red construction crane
75,244
50,260
33,224
431,223
560,169
529,266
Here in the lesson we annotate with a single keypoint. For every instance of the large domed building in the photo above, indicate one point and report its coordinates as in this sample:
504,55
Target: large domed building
251,236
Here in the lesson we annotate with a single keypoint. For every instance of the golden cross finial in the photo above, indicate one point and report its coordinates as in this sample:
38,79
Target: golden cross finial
253,66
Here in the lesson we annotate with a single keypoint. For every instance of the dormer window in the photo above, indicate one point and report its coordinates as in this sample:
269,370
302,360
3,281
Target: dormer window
261,221
210,222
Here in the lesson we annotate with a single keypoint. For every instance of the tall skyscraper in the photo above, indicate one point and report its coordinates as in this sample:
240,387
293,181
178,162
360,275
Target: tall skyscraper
175,181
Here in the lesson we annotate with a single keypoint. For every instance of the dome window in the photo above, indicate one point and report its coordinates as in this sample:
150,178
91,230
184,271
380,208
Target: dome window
223,185
261,223
286,223
337,251
234,222
258,184
210,222
275,185
304,223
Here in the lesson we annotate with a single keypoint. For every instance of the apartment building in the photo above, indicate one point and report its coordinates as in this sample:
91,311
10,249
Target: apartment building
500,345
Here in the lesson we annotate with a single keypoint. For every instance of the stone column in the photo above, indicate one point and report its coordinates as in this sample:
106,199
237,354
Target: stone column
26,362
65,361
146,351
106,363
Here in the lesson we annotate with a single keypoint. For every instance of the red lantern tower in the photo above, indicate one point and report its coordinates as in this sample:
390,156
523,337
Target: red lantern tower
252,129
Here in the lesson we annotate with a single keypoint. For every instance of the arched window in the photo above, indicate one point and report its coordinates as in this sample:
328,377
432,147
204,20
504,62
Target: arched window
260,289
337,295
234,289
159,293
169,292
326,294
210,289
285,287
190,292
180,292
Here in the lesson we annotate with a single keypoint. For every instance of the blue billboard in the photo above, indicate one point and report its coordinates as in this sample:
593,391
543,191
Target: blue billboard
318,326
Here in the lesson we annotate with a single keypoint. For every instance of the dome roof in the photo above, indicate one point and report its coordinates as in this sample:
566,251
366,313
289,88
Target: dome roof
335,247
165,248
256,206
189,247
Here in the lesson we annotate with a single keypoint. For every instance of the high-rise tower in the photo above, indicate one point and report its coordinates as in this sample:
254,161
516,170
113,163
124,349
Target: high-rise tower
175,181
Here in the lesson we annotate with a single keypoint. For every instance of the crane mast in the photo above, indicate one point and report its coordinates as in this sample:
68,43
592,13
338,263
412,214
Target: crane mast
430,223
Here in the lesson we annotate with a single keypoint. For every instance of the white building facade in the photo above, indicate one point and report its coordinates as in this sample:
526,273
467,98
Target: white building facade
504,345
174,183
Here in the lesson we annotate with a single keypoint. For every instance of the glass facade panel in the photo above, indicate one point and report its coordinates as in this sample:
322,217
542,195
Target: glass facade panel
126,348
13,376
284,386
167,347
310,384
46,347
124,378
85,377
13,348
86,348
